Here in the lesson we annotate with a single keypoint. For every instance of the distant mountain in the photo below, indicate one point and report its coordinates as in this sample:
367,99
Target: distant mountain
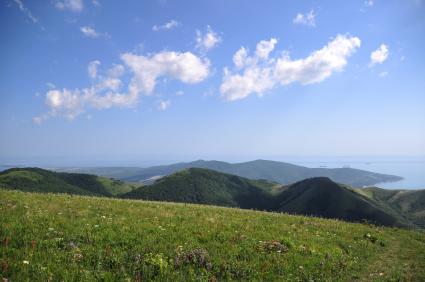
45,181
283,173
116,172
315,196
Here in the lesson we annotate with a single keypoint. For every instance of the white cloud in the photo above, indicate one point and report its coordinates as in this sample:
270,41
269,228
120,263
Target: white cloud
107,89
379,55
167,26
253,80
318,65
180,93
207,41
26,11
261,73
185,67
90,32
264,48
71,5
308,19
164,104
240,57
92,69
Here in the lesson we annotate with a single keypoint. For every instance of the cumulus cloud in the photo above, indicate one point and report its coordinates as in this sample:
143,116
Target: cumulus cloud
26,11
264,48
240,57
107,88
167,26
185,67
71,5
379,55
164,104
259,73
308,19
207,41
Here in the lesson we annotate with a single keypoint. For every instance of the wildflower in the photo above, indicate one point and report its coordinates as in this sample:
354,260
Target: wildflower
103,216
25,262
96,226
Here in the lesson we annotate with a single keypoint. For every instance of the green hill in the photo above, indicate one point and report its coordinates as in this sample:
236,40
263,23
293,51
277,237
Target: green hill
283,173
410,203
325,198
203,186
58,237
315,196
41,180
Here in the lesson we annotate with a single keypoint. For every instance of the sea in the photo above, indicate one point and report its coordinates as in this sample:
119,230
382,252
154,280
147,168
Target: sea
412,169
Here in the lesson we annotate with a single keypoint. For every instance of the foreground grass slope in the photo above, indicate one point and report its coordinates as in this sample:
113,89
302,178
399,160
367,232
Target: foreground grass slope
47,237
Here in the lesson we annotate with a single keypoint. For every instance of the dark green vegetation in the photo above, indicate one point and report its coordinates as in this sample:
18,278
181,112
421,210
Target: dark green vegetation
46,237
283,173
408,202
202,186
315,196
40,180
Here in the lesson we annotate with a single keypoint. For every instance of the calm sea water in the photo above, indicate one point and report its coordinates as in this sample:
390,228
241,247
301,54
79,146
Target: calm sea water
411,169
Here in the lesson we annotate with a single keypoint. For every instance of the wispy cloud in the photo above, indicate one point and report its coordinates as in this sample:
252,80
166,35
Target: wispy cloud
208,40
164,104
167,26
70,5
369,3
308,19
89,31
26,11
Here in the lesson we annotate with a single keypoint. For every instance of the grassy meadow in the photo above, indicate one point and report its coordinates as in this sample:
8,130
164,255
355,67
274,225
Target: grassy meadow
51,237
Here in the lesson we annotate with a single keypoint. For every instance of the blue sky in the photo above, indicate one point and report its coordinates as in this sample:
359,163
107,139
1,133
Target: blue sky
136,80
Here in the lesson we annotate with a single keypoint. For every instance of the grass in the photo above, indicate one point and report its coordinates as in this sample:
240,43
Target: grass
49,237
116,187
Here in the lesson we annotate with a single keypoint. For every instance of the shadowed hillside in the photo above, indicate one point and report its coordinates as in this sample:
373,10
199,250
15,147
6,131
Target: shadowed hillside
322,197
315,196
410,203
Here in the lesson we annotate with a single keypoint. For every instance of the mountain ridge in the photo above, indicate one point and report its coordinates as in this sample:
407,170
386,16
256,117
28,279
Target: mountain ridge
275,171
